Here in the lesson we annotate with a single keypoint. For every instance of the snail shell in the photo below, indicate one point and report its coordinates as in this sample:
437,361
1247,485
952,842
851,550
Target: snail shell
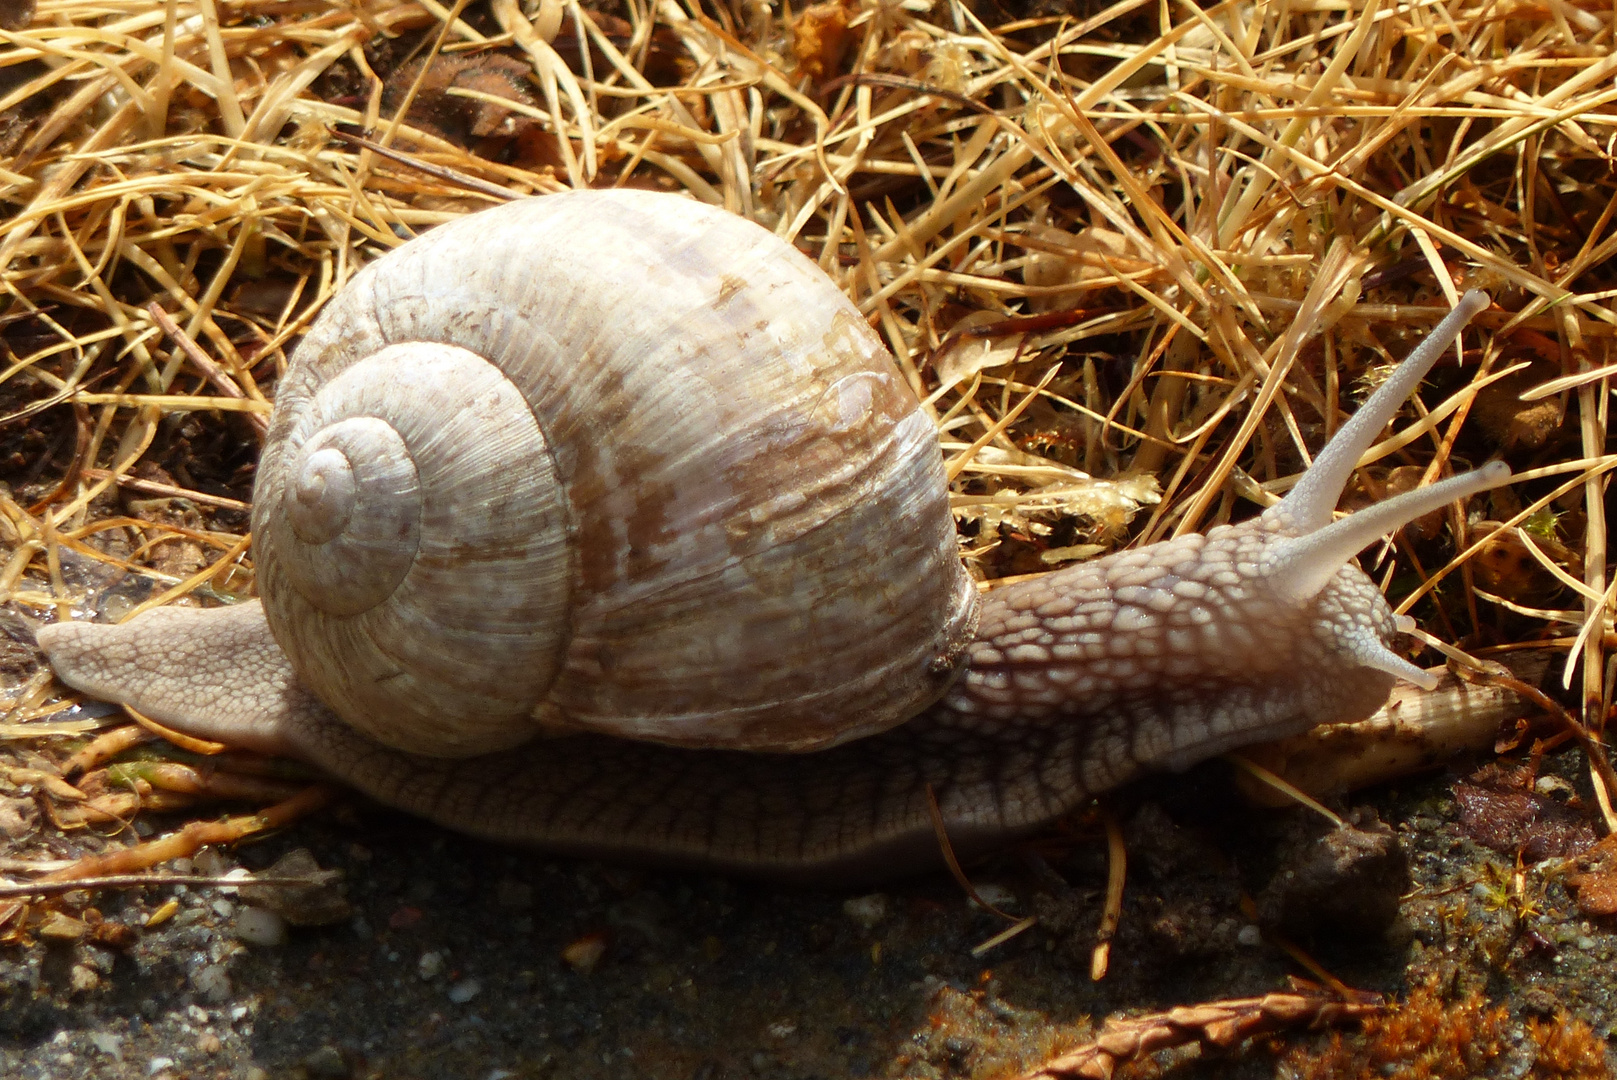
578,462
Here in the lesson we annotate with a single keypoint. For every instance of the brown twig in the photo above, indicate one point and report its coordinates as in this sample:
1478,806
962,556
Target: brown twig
204,363
106,746
183,843
1117,861
169,491
23,890
441,172
196,836
947,850
1220,1024
205,747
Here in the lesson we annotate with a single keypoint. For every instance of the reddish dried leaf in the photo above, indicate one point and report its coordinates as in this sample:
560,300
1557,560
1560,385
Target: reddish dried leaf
1500,809
1596,882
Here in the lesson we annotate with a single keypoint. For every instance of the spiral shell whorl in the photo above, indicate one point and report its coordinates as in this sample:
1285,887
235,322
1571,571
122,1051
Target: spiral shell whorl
752,512
323,494
353,492
448,620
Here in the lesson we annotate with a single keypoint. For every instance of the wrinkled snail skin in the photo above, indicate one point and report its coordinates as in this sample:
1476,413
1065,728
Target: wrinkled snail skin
1061,687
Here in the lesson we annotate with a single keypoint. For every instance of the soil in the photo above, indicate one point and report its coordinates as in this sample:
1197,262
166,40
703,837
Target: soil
454,958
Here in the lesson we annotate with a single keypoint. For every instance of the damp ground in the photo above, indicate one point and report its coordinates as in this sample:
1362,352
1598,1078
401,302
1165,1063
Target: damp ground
453,958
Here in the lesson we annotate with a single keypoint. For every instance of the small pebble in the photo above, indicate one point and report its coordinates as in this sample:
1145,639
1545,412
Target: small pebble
223,908
1554,785
1249,935
108,1043
464,991
163,914
158,1064
430,966
259,926
326,1062
240,873
997,895
867,911
212,982
584,953
83,979
60,927
209,1043
210,862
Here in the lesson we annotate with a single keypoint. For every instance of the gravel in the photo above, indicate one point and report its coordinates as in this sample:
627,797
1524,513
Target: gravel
459,959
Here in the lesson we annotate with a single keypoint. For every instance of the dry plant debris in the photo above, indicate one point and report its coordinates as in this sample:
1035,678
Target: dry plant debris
1595,881
1221,1024
1182,239
1433,1036
1501,808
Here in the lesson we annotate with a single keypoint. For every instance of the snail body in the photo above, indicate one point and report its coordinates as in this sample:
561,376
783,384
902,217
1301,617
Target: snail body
602,522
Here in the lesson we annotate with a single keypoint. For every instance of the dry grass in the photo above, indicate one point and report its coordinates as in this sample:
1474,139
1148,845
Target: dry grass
1195,232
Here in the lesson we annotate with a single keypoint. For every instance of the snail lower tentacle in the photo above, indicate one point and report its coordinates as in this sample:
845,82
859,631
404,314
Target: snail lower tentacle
679,583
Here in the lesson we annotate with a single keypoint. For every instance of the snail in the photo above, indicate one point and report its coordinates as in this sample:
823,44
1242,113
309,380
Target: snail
603,522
